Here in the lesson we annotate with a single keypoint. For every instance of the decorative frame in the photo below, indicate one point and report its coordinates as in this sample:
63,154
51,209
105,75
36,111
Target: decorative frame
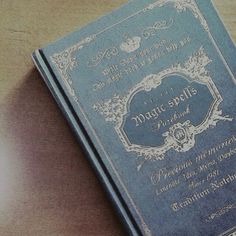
115,109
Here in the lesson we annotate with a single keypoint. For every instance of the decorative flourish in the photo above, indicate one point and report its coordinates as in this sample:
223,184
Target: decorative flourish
65,61
218,116
130,44
181,6
221,212
180,136
159,25
105,54
111,109
196,64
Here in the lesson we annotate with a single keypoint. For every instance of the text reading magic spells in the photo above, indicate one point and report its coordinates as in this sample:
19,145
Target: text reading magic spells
153,114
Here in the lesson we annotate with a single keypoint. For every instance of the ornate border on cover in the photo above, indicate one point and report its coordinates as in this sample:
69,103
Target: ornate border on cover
65,60
182,5
64,63
115,109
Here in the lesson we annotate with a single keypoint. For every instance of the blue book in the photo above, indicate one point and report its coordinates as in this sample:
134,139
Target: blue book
149,91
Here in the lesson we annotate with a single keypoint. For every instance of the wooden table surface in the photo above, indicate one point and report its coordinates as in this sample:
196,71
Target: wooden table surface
47,186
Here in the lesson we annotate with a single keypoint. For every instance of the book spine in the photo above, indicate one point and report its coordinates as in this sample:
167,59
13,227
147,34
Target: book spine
82,137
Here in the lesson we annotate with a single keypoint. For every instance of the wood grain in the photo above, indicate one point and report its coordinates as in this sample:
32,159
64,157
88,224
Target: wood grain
47,187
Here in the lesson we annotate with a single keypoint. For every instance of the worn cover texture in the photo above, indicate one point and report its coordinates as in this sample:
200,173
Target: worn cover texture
150,91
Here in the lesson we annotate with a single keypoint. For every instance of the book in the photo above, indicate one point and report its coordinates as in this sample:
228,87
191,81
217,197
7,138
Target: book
149,91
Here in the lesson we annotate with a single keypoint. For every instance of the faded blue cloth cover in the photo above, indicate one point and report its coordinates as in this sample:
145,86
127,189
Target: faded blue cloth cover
150,92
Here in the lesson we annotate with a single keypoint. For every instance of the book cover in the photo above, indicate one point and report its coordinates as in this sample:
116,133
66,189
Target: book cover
149,91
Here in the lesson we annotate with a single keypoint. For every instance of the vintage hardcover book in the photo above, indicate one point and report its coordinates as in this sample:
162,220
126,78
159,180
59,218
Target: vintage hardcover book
149,90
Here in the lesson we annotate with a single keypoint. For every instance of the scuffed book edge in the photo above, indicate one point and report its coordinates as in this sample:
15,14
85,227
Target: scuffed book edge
83,138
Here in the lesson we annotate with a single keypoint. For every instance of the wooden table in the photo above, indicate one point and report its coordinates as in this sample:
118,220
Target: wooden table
47,187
